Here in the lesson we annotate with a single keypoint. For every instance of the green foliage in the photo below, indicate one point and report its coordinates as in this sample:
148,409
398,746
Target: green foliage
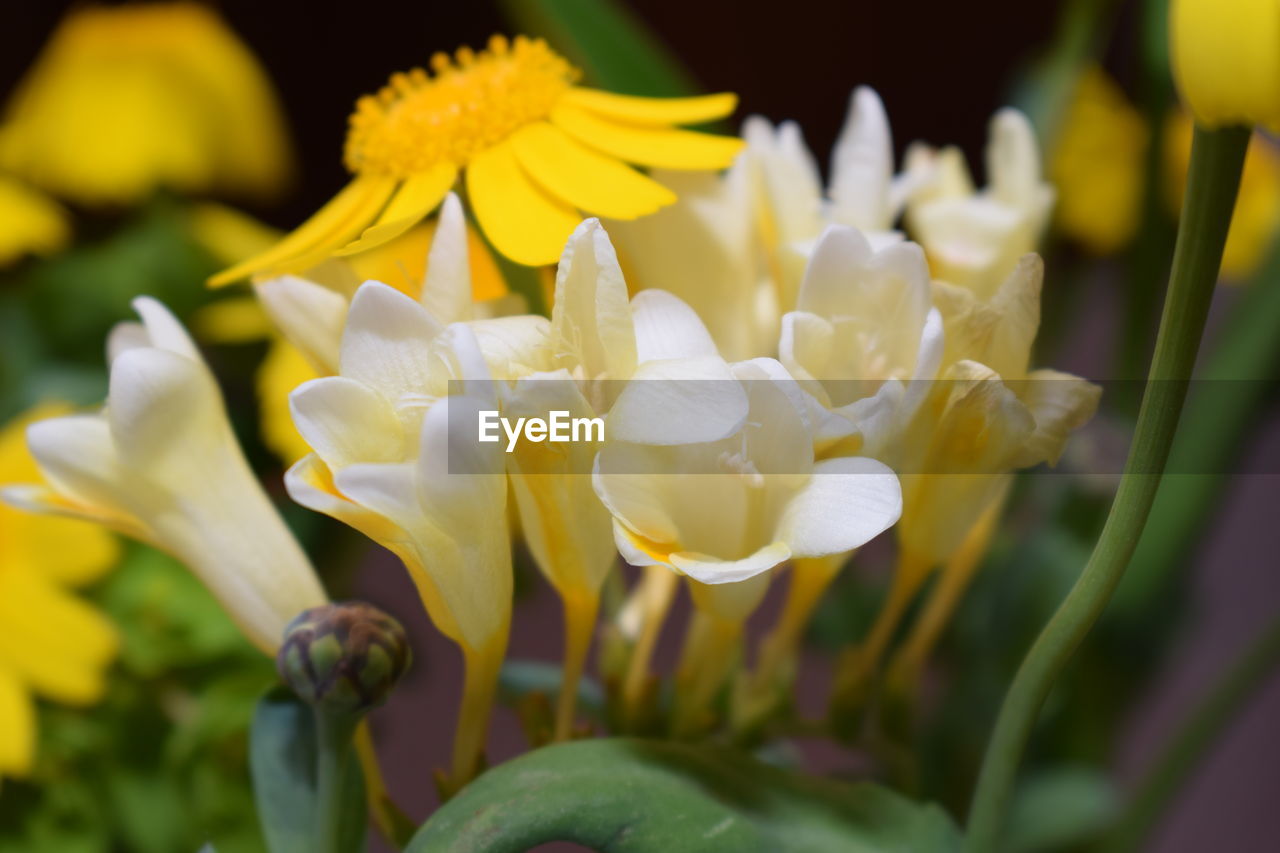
55,313
1060,809
612,46
160,764
284,757
632,796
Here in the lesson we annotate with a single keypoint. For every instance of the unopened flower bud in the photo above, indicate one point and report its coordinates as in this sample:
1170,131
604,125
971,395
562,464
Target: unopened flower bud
343,657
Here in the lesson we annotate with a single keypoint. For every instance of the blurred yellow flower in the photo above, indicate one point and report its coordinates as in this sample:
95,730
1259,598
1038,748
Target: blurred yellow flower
30,223
1255,221
1226,60
52,644
126,99
1097,165
535,148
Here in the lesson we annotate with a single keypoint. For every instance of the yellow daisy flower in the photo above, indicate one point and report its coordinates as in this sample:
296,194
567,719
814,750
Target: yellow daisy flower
536,152
52,644
30,223
125,99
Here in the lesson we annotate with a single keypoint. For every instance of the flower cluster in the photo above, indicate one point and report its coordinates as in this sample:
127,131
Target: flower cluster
782,374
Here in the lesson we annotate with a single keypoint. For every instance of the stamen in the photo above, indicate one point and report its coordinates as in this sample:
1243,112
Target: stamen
468,103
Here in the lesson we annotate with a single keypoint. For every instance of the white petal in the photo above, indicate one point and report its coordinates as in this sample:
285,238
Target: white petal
446,291
666,328
514,346
386,344
679,401
77,456
126,336
346,422
709,570
846,503
310,484
164,410
1013,158
310,315
838,253
591,320
163,328
862,165
389,489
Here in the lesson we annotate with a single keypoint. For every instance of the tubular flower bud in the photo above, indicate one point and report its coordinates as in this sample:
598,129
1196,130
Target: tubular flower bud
1226,60
344,657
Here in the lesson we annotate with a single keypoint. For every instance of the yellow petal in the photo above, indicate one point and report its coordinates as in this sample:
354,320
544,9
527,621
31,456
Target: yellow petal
283,369
347,214
668,149
417,197
1226,60
522,221
585,179
631,109
232,321
30,223
17,726
66,551
57,643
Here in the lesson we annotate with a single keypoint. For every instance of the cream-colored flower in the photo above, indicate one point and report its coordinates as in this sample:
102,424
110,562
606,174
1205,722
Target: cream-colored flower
160,463
727,510
389,461
989,414
735,246
599,343
974,238
865,336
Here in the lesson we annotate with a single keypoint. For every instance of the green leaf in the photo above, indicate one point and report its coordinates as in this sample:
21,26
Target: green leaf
624,795
282,757
613,47
1060,809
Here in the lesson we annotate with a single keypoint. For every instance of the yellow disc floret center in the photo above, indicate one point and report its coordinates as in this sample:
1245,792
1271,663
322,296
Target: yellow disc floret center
469,102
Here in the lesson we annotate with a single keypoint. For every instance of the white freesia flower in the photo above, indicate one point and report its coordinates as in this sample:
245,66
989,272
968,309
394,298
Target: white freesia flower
975,238
734,247
395,457
865,334
160,463
988,416
607,352
725,511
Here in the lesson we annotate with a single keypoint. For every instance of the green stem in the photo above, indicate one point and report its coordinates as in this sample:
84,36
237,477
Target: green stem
334,733
1188,745
1217,158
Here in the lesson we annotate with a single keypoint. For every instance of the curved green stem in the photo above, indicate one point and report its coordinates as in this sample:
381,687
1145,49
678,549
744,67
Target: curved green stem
1187,747
1217,158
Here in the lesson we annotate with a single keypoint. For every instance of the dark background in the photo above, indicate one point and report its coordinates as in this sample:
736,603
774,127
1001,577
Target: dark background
942,68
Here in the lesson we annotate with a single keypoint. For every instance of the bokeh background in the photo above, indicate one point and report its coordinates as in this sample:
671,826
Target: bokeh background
941,69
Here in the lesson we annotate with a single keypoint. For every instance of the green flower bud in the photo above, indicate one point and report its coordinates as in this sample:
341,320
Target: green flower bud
343,657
